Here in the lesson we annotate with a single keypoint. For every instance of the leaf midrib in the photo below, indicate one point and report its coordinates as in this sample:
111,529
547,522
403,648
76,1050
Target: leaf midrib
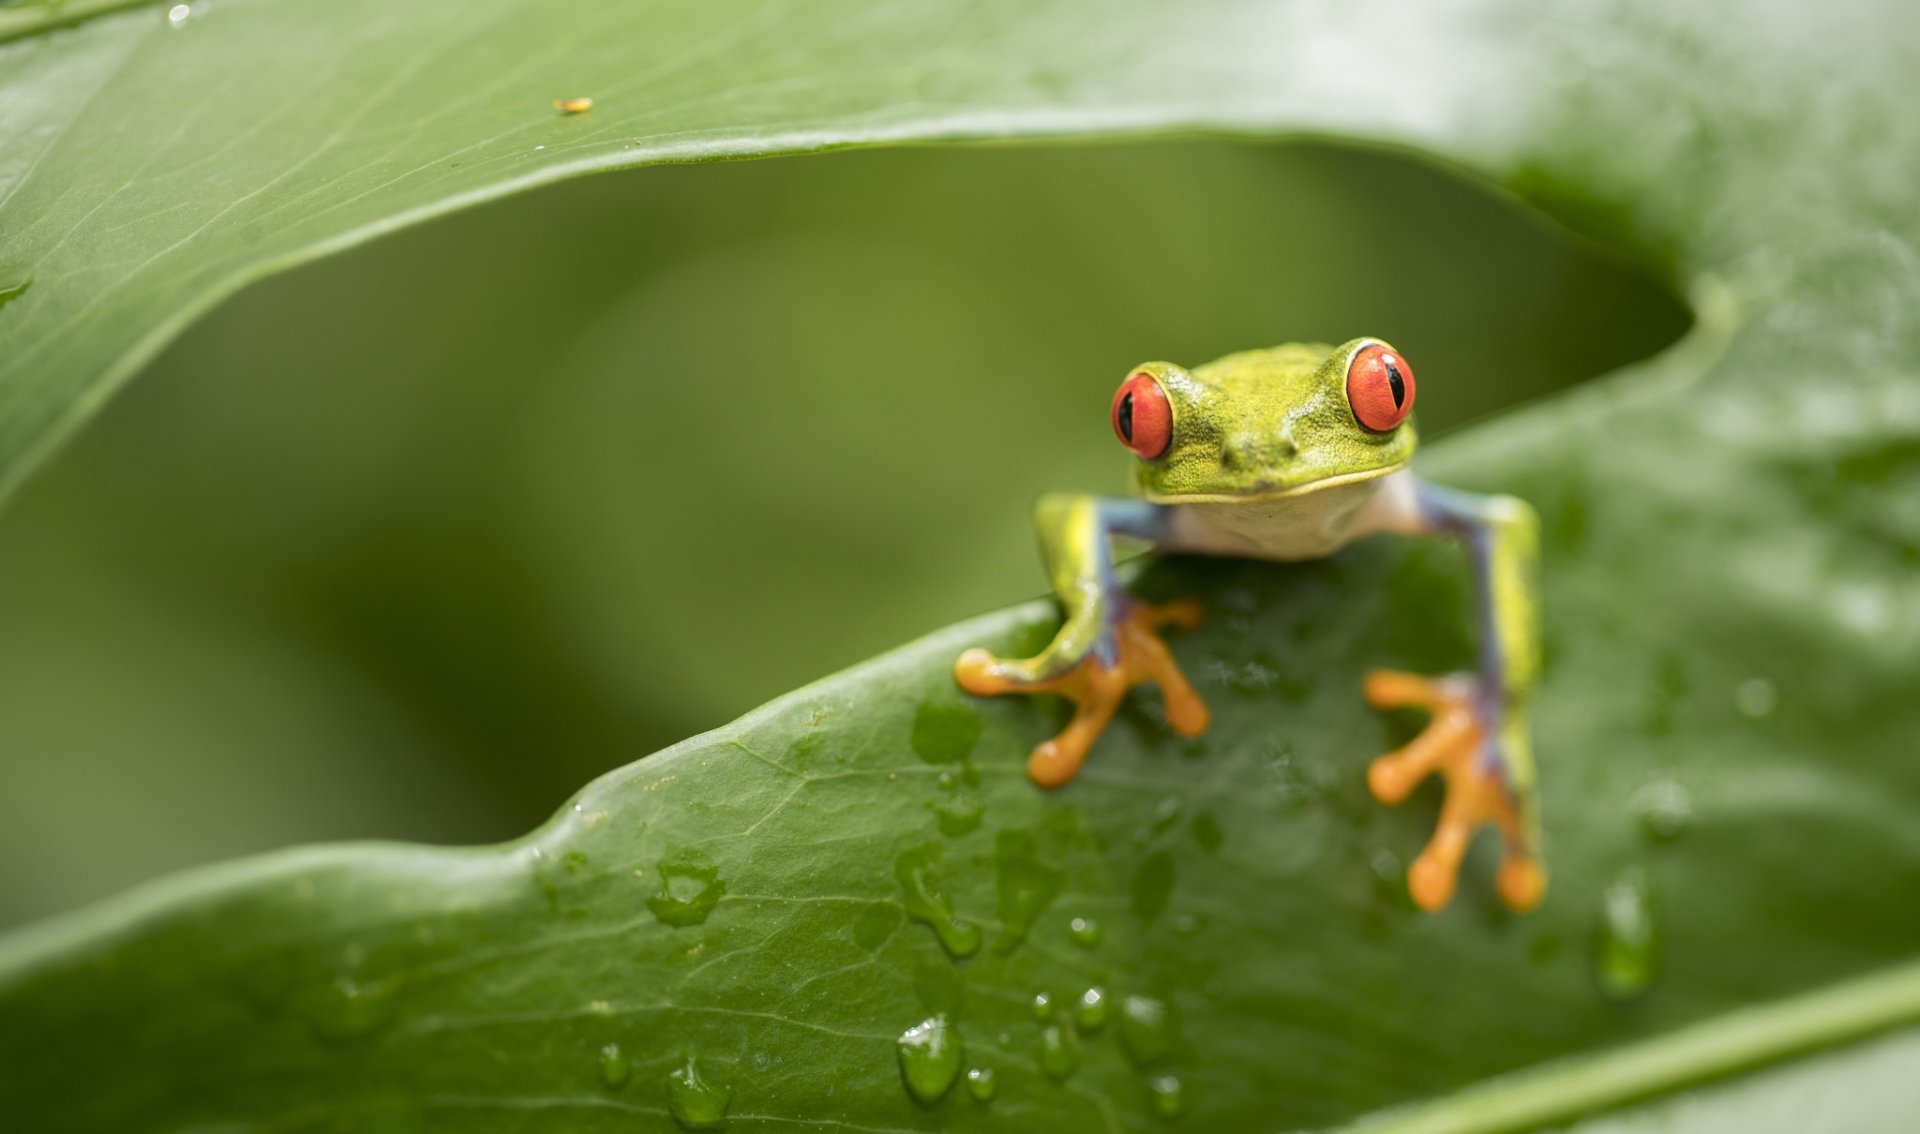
1568,1089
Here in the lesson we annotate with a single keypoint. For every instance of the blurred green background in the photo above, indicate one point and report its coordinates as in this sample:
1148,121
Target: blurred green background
416,540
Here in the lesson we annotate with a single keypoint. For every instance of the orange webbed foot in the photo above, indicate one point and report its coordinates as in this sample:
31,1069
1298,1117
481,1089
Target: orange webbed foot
1478,791
1095,688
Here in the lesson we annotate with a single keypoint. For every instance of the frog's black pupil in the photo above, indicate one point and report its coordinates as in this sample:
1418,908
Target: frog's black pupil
1397,384
1126,416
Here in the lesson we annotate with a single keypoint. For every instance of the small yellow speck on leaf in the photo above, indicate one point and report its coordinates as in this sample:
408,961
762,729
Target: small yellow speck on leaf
573,105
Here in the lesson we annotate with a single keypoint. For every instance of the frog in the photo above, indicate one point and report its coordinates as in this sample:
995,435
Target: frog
1291,453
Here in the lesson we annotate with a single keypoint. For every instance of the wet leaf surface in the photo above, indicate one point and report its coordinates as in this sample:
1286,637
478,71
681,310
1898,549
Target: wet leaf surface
1729,563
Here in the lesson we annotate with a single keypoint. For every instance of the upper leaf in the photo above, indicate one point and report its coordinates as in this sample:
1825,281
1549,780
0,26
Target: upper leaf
756,919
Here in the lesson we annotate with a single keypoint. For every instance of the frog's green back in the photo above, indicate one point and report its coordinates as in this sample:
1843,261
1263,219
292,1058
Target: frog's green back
1264,422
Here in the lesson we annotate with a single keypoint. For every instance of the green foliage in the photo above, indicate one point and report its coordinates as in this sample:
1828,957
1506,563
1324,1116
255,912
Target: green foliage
769,924
379,568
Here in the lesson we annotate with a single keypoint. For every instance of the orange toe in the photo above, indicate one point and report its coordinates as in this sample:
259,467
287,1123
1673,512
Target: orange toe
1053,764
1522,882
1431,883
1095,688
1451,745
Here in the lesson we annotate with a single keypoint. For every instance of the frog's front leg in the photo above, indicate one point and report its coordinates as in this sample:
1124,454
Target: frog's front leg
1478,738
1110,640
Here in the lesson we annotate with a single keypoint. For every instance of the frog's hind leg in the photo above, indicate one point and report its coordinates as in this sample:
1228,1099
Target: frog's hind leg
1109,642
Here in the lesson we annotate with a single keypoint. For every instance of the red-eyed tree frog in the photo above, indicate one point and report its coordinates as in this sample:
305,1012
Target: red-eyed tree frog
1289,454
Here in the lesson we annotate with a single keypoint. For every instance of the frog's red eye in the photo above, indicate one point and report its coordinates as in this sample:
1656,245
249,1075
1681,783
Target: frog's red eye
1142,419
1379,388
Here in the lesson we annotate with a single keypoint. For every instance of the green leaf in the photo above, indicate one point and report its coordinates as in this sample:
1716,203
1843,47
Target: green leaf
755,919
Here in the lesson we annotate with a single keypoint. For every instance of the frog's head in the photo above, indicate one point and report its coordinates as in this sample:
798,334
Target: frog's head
1267,422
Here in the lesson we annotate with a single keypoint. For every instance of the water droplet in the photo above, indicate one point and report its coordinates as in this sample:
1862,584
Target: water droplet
875,924
1389,877
1146,1030
1153,886
1166,813
1754,697
1042,1006
1059,1052
697,1103
689,886
980,1083
1207,832
1627,941
803,750
944,732
1090,1011
926,903
178,15
958,815
615,1067
1663,808
1169,1101
1026,886
348,1008
1085,932
14,291
930,1058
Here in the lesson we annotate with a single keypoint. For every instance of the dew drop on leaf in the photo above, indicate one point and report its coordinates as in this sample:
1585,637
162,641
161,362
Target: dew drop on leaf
1627,942
1663,809
1166,813
1755,697
1169,1099
980,1083
1059,1052
696,1102
1026,886
930,1056
615,1067
875,924
925,902
1085,932
1146,1030
958,815
944,732
347,1008
1042,1006
1090,1011
690,884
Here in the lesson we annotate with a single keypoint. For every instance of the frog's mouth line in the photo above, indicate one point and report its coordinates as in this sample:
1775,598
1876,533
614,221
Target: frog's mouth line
1276,493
